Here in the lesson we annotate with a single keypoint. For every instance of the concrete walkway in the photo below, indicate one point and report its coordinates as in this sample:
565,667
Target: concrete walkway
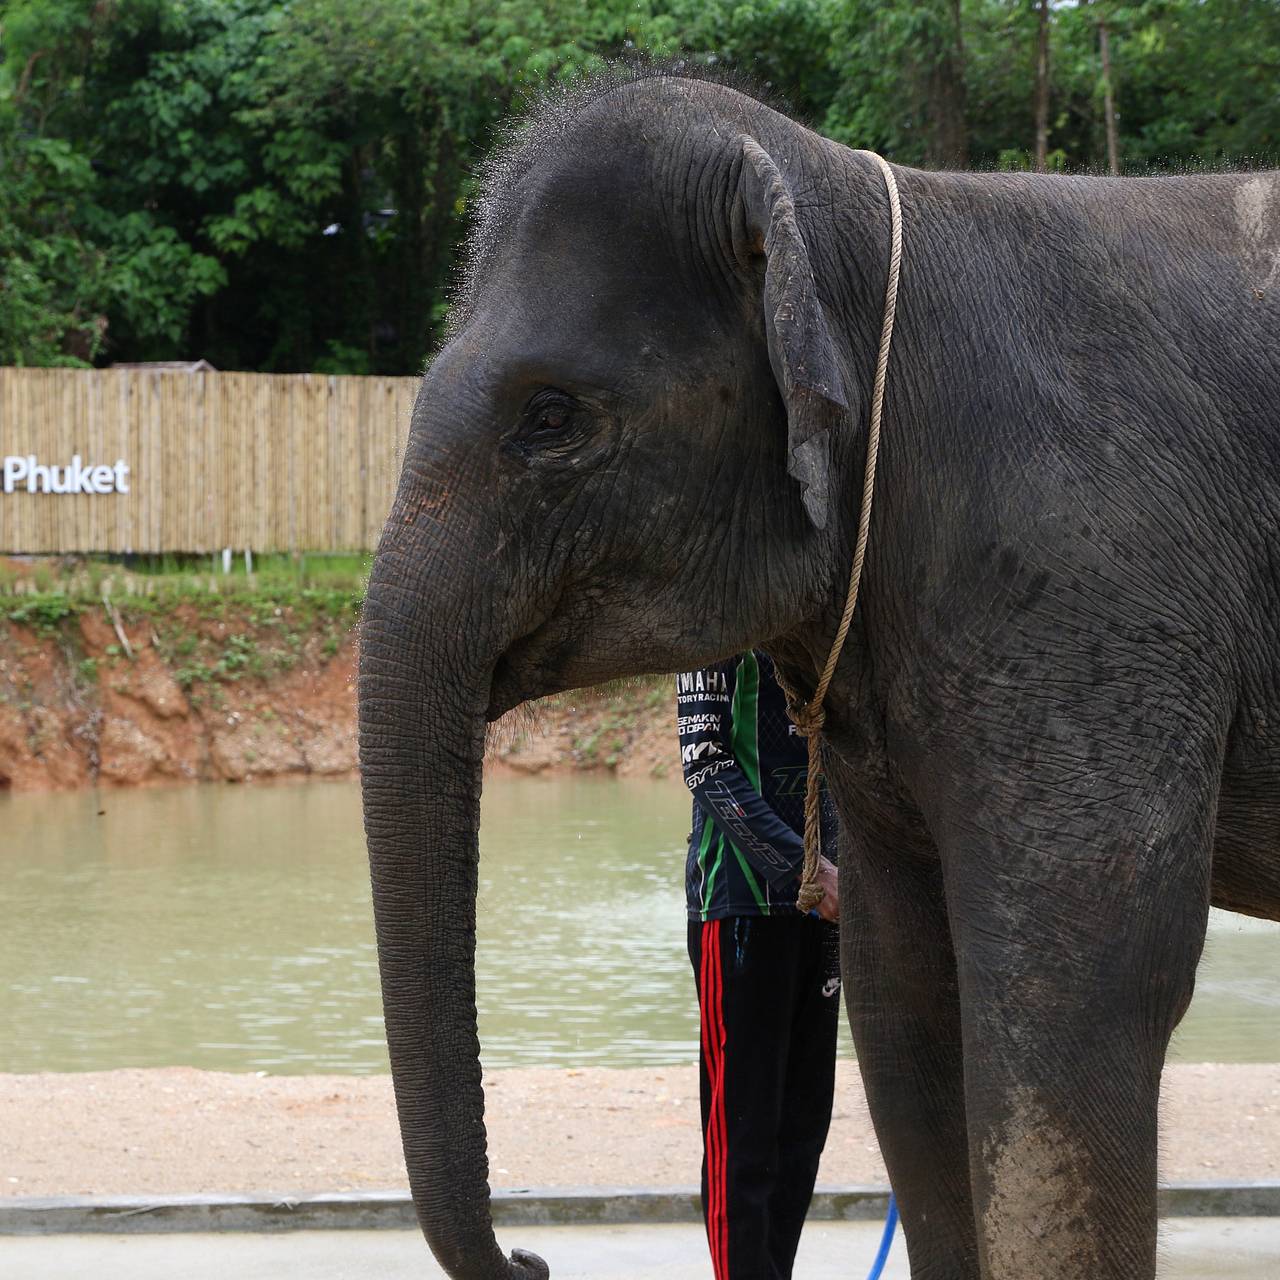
1192,1249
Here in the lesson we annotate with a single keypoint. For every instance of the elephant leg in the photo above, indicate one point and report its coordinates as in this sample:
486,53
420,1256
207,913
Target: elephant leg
901,992
1077,923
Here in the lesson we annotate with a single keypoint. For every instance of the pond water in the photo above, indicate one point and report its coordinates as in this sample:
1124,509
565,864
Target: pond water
230,928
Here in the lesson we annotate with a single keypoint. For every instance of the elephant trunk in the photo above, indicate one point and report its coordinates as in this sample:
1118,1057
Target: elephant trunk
422,721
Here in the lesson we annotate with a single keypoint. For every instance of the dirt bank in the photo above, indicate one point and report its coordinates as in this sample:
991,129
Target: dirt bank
201,689
212,688
627,728
180,1130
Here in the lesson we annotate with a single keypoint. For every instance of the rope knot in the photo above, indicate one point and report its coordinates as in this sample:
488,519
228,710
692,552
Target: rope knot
809,719
809,896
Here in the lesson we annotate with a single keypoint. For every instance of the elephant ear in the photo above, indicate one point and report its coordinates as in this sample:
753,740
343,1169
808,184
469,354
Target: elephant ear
801,350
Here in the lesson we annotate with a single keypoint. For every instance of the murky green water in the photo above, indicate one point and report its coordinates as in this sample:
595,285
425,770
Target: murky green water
230,928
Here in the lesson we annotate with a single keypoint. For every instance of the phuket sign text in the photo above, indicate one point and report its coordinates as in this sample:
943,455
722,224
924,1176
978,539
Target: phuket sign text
76,477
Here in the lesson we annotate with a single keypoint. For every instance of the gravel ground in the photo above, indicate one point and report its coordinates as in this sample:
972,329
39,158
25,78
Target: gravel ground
182,1130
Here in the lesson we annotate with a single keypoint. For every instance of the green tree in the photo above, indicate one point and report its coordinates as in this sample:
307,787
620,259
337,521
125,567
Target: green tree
282,184
902,80
388,103
83,268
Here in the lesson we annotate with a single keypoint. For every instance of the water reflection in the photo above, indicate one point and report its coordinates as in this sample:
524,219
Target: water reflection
230,928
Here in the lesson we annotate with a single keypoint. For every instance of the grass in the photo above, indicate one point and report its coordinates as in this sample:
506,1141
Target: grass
270,616
285,600
270,572
168,577
210,629
263,605
40,612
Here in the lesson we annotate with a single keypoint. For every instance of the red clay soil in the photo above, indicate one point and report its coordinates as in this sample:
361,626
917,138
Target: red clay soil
76,711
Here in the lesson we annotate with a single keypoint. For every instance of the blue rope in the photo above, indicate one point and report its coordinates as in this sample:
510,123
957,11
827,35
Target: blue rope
886,1240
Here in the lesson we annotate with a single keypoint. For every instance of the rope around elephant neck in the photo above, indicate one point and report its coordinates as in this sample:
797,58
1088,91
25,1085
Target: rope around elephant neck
809,717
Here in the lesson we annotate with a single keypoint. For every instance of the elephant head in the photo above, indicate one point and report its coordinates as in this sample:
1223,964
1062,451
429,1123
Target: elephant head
624,458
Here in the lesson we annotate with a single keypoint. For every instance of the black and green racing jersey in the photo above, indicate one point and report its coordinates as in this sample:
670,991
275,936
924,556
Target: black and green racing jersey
745,764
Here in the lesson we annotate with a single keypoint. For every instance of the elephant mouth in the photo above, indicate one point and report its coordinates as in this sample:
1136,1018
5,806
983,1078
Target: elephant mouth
503,691
518,678
533,664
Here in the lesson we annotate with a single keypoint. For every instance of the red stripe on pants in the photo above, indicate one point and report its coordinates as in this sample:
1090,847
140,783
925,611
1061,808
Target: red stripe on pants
713,1040
708,1058
721,1038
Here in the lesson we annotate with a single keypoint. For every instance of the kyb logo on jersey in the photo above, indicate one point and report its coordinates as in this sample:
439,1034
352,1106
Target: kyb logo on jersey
26,473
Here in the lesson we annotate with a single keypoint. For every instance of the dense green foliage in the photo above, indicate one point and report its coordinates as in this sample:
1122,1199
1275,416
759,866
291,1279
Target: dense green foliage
281,184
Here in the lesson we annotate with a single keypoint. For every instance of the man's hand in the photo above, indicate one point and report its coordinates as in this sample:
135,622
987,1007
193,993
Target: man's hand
829,883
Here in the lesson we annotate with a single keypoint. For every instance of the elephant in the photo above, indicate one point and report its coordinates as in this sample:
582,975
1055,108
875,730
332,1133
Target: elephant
1053,736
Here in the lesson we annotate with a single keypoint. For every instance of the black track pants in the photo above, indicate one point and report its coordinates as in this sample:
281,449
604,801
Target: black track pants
769,999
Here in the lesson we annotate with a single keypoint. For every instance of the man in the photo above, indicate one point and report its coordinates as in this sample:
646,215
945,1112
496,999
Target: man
767,977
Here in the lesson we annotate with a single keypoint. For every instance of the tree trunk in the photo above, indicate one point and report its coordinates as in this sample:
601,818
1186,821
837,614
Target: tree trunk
1042,89
947,135
1108,100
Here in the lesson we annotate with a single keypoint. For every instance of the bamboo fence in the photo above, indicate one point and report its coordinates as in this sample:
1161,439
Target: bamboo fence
271,462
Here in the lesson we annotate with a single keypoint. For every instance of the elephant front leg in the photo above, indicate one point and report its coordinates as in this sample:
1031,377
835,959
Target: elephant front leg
901,992
1076,960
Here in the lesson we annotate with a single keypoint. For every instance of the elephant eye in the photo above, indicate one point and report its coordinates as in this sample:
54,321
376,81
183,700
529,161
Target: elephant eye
546,418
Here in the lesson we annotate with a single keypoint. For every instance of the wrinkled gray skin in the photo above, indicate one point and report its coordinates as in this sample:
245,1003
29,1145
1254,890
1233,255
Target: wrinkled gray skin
1054,735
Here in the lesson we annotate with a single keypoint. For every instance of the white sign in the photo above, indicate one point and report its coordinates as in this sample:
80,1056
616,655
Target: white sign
75,477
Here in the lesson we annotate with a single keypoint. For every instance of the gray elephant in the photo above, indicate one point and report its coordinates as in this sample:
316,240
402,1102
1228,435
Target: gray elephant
1054,733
